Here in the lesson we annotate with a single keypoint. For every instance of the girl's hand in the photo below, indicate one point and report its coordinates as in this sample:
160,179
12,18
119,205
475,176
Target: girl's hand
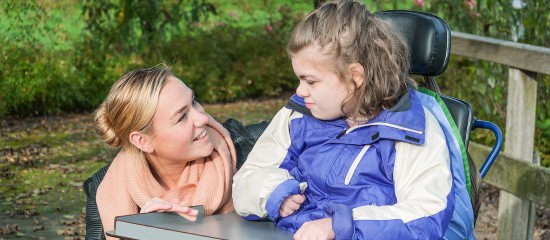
159,205
291,204
318,229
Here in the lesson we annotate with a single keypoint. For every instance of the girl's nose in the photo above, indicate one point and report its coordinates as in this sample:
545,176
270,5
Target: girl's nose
302,90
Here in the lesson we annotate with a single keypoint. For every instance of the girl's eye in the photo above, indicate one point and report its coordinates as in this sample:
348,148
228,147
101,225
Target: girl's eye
310,82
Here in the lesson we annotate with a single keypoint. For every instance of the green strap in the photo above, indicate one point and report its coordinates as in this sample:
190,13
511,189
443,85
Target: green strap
456,133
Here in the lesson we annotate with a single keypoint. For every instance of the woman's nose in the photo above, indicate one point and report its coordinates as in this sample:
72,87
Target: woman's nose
200,119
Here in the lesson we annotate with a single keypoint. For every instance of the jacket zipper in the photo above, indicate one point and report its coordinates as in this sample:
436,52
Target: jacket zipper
351,170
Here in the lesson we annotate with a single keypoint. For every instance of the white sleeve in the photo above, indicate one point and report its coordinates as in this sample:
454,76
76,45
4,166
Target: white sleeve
422,176
260,174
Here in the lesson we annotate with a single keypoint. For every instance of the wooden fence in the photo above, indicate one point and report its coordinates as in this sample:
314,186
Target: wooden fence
522,181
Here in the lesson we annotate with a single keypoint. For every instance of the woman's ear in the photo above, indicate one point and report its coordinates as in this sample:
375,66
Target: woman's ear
141,141
357,73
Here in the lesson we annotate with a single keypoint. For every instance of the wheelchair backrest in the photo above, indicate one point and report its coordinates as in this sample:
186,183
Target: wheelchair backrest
429,40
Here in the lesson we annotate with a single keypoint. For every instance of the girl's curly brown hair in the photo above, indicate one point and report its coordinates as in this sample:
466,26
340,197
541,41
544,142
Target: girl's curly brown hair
349,33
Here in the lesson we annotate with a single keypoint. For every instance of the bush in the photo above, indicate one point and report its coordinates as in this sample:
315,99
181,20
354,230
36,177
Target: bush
227,63
222,60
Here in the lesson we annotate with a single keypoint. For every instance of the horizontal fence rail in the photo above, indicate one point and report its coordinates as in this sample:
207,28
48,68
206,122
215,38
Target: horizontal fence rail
516,176
517,55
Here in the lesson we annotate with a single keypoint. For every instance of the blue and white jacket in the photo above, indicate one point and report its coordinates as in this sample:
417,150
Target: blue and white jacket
391,178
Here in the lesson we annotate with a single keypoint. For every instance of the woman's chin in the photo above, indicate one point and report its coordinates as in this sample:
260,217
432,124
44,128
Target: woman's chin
207,149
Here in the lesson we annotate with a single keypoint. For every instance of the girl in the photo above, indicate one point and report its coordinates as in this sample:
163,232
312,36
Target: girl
354,154
172,154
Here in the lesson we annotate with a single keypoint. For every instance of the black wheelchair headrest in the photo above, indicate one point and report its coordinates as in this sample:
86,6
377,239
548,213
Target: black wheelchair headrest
428,38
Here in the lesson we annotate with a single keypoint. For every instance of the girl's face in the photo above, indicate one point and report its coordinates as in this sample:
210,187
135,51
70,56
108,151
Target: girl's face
320,87
179,132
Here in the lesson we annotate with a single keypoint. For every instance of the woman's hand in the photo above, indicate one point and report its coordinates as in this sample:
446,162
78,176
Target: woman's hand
291,204
159,205
317,229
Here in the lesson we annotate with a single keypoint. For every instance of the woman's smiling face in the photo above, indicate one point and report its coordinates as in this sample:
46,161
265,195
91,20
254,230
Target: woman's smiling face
178,130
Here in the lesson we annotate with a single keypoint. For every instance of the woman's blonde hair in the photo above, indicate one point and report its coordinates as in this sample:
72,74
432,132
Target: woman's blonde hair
130,106
346,31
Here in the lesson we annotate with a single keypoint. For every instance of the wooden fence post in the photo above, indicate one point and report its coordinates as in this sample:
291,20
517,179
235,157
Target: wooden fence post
514,212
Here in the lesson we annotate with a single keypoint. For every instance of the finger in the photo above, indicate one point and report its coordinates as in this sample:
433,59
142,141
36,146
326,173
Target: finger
292,205
155,207
299,233
298,198
184,210
188,217
285,212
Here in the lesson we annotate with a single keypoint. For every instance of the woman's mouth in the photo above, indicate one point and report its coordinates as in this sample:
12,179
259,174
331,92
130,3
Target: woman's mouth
201,135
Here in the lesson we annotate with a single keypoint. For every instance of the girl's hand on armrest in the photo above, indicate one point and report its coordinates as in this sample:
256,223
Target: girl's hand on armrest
160,205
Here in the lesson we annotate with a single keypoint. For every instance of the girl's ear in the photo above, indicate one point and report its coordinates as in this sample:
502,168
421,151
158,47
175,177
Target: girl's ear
141,141
357,73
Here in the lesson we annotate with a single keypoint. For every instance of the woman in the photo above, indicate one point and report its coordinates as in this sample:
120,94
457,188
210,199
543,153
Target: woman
172,154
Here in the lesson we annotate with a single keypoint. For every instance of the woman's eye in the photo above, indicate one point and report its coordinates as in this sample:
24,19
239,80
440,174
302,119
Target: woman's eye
310,82
183,117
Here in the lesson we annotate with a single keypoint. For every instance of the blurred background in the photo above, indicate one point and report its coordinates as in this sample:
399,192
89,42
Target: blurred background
60,57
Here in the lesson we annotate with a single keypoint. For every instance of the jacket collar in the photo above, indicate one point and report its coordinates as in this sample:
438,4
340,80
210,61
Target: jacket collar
403,122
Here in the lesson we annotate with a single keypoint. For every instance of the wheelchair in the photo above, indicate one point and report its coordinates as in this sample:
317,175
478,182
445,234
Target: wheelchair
429,41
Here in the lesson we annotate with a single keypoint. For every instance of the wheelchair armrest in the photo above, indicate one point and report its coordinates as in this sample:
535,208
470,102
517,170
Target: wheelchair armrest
496,148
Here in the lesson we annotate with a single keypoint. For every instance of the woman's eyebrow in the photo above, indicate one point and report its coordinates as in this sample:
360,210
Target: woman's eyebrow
182,109
178,112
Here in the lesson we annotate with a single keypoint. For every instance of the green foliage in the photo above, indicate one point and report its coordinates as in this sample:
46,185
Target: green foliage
481,83
35,79
50,68
226,63
131,26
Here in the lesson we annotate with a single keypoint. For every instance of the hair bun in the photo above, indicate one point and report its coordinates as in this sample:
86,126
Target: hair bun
104,129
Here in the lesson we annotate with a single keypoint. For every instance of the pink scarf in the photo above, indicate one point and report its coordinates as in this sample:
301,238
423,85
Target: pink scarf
129,183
